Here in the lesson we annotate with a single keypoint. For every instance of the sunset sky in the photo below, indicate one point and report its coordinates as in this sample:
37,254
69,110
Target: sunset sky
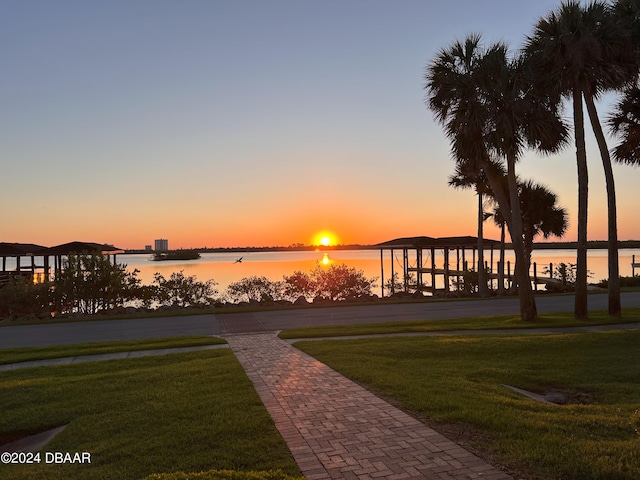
248,123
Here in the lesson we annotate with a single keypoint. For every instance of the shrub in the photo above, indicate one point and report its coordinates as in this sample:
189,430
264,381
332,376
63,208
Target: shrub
298,284
624,282
20,297
339,282
89,283
394,285
565,273
254,289
183,291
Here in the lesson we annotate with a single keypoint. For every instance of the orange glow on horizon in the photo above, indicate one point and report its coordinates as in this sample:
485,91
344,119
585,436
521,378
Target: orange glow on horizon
325,239
290,228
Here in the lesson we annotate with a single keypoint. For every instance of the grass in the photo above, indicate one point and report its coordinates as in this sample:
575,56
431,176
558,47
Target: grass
185,412
15,355
630,315
455,382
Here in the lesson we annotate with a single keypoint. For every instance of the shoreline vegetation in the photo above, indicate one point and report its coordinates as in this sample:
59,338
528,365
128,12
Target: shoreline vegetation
89,284
593,245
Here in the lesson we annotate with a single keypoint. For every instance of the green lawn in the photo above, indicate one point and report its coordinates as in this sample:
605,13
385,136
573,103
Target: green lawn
15,355
182,412
630,315
455,384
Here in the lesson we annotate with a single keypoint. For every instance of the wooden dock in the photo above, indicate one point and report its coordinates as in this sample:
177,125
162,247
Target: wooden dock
508,277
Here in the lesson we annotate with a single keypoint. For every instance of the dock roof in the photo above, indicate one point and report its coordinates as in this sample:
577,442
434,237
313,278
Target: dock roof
432,242
79,247
22,249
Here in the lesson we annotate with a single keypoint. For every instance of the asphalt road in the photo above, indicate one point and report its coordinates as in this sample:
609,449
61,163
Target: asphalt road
136,329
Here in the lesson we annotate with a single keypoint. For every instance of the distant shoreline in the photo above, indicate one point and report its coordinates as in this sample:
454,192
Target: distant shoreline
593,245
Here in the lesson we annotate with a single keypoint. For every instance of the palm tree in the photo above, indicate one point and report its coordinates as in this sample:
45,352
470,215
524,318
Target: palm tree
499,221
489,111
518,119
465,176
540,215
625,122
581,52
453,97
627,14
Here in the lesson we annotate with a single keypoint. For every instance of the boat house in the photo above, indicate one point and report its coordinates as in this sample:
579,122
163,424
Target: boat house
35,261
428,264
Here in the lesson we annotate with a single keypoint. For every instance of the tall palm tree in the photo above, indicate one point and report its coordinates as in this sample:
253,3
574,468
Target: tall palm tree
625,122
627,13
519,118
540,214
453,96
625,119
464,177
580,52
489,111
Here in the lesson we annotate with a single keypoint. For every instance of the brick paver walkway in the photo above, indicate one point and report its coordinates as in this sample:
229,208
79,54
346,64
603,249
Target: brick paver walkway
336,429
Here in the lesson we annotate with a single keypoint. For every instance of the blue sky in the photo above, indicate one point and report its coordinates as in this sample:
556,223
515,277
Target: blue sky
232,123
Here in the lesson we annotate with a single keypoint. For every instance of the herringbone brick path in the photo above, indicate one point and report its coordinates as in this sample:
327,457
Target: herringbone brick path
336,429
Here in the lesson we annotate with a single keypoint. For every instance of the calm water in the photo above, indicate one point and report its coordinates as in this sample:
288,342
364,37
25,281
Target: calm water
274,265
222,268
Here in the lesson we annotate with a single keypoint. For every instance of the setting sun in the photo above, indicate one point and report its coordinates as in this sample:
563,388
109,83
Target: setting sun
325,239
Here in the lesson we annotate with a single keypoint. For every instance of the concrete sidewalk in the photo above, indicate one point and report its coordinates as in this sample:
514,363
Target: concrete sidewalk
105,356
336,429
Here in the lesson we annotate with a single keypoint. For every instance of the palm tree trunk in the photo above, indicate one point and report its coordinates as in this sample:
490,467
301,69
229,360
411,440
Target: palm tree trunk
482,280
501,196
528,310
580,309
501,269
615,308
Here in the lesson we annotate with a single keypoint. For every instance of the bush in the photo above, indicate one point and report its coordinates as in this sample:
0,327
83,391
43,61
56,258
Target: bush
339,282
254,289
89,283
297,285
183,291
334,282
565,273
624,282
223,475
20,297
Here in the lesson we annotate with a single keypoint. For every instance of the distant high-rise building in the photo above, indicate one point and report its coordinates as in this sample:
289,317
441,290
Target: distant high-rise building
161,245
148,248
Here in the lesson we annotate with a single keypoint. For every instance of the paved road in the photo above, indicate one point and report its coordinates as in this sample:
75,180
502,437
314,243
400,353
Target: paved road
97,331
281,320
107,330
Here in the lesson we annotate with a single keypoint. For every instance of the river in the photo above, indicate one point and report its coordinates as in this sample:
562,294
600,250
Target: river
224,268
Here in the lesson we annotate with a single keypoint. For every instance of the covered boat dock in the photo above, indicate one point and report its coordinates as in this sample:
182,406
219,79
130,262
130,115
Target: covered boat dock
425,265
429,259
38,258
